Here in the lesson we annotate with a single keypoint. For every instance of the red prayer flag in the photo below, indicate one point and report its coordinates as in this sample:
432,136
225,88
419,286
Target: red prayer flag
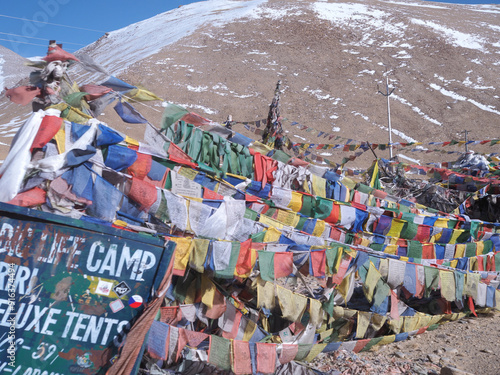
283,264
318,263
266,358
242,363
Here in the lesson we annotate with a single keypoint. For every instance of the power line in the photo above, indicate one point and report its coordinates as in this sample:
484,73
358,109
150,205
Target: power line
32,44
54,24
32,37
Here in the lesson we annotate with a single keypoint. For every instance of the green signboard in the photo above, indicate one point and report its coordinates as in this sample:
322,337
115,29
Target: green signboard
70,291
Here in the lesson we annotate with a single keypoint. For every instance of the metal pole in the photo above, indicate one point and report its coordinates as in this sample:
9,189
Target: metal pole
466,145
389,115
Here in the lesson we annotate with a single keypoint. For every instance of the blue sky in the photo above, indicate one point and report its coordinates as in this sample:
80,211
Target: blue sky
84,21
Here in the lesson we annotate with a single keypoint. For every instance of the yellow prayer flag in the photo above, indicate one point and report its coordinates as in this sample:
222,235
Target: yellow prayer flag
372,277
319,186
182,252
459,250
199,254
441,222
207,292
292,305
456,233
289,218
272,234
396,227
387,340
315,312
296,202
270,221
316,349
60,138
363,323
131,141
319,228
265,294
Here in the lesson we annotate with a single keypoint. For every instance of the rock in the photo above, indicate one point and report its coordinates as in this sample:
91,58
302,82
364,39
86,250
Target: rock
445,361
400,355
486,351
448,370
450,350
439,351
433,358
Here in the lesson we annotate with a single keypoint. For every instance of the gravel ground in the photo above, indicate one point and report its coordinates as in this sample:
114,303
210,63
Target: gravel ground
467,346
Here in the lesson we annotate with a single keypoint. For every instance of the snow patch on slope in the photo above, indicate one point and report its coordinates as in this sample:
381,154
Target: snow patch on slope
454,95
457,38
122,49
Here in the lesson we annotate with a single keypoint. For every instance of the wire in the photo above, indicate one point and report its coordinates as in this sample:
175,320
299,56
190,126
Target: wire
15,41
46,39
50,23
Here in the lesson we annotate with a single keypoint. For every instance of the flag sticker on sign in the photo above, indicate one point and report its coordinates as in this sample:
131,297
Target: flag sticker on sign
116,305
135,301
104,287
121,289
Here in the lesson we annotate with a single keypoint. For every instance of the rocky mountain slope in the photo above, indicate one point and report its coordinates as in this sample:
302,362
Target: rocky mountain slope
222,57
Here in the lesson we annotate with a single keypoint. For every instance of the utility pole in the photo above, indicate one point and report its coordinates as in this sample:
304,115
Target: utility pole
387,94
466,145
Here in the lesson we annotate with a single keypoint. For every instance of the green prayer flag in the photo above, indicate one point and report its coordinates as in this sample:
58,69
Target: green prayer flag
172,114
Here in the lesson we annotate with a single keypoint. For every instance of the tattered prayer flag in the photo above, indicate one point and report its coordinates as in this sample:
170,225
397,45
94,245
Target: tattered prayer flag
195,338
342,269
182,252
289,351
246,259
266,265
171,114
168,314
157,340
117,84
141,166
318,263
219,352
447,285
142,95
283,264
48,128
242,363
292,305
143,193
315,312
128,113
363,323
394,306
22,95
207,292
75,99
199,254
431,278
372,278
265,294
30,198
266,358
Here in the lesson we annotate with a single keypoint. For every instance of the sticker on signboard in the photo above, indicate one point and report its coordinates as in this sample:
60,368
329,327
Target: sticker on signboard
121,289
135,301
104,287
116,305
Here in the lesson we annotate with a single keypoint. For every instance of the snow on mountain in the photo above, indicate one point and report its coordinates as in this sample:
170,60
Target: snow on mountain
135,42
12,68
